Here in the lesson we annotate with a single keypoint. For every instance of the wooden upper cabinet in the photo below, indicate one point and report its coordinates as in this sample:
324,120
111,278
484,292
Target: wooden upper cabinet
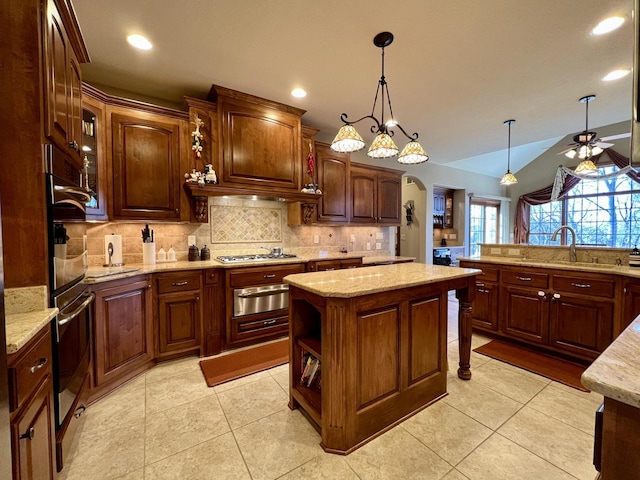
63,51
363,195
389,197
376,195
146,171
333,181
94,139
259,141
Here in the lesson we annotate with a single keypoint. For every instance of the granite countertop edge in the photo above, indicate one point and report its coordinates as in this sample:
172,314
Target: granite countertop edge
571,266
22,327
108,274
616,372
354,283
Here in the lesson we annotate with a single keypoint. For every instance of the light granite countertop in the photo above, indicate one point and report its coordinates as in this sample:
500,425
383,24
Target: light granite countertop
349,283
105,274
624,270
22,327
616,372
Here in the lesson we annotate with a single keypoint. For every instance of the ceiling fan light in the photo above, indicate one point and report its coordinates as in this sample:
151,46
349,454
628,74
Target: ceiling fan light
412,154
570,153
586,167
383,146
584,151
508,179
347,140
596,150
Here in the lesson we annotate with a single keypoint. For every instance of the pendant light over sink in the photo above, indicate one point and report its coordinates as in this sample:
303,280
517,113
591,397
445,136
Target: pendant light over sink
509,178
349,140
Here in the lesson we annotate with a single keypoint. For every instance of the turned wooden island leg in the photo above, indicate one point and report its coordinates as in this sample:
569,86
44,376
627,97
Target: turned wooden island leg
464,331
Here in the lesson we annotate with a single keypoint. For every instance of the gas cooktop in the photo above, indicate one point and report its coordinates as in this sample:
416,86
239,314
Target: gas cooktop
254,258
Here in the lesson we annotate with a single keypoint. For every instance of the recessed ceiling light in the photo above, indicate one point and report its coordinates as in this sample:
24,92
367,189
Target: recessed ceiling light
607,25
86,148
615,75
139,41
298,93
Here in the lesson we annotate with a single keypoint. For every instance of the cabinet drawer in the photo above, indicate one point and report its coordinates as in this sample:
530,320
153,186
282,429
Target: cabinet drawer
351,263
263,275
179,283
244,328
528,279
584,286
29,369
489,274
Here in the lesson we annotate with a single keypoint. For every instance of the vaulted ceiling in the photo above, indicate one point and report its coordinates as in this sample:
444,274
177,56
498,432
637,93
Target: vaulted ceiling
456,69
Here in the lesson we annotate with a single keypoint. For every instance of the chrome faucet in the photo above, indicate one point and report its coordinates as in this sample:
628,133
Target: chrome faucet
572,248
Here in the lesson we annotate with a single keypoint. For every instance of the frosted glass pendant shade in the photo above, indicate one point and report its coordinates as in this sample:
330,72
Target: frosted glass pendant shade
586,167
383,147
413,153
508,179
347,140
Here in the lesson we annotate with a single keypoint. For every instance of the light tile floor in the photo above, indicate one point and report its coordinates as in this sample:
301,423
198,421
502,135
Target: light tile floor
506,423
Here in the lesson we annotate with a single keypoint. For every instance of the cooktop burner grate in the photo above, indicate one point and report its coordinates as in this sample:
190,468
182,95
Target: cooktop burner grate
254,258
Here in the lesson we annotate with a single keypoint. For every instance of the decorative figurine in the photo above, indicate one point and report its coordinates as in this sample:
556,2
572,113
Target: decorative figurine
196,146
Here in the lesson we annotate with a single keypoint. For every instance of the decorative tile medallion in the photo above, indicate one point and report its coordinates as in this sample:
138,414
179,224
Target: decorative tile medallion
243,224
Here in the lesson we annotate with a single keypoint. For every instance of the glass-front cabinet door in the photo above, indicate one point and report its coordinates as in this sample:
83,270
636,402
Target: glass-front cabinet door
93,151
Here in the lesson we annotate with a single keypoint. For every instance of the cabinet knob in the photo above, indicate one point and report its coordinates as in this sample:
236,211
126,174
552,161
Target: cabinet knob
556,296
43,361
197,299
79,411
177,210
29,434
74,145
149,287
542,295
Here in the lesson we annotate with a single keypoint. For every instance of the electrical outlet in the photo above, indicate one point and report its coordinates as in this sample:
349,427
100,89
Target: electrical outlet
514,251
379,236
378,246
403,236
353,238
316,239
496,251
191,240
368,245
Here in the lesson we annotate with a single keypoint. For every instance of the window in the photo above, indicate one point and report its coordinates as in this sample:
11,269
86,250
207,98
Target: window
484,224
603,212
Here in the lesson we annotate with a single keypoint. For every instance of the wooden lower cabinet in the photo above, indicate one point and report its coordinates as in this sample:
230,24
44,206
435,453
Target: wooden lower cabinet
123,331
179,313
558,310
31,404
581,326
485,306
525,315
334,264
631,302
213,316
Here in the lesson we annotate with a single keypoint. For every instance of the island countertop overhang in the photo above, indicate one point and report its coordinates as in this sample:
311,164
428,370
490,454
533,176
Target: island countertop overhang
355,282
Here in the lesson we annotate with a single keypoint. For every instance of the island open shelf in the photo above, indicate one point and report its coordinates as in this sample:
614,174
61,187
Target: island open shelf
379,338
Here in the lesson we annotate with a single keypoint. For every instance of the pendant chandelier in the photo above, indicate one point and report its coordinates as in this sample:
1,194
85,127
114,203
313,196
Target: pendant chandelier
349,140
509,178
586,144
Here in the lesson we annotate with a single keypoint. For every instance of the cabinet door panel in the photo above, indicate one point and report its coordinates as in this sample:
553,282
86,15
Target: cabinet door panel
260,146
122,330
631,304
363,197
179,322
75,108
485,306
333,180
580,326
33,437
526,314
57,107
389,199
146,168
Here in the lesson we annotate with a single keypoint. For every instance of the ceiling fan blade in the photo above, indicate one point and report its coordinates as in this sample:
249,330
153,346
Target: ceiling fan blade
616,137
603,144
564,151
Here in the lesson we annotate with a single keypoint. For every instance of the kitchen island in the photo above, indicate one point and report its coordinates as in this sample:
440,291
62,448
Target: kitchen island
368,347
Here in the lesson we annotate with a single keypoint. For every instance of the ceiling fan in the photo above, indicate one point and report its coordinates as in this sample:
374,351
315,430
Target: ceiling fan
586,144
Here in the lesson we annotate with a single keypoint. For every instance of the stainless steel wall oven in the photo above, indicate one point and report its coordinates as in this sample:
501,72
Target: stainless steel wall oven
67,266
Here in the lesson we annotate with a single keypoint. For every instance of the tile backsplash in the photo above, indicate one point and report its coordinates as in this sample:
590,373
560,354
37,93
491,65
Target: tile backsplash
239,225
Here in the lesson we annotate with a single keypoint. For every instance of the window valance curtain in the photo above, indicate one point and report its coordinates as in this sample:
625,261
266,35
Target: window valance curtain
563,183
